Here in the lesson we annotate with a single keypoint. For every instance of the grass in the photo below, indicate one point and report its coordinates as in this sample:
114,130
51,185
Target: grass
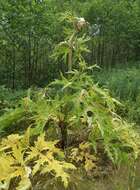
124,84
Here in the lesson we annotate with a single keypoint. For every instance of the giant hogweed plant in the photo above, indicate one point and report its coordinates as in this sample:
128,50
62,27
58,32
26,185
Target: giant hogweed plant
79,111
75,104
80,106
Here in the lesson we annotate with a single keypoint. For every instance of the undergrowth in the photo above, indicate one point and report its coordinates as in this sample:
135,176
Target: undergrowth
124,84
21,159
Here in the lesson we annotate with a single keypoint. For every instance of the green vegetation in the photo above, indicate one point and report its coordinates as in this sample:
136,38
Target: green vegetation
77,111
62,117
30,30
124,84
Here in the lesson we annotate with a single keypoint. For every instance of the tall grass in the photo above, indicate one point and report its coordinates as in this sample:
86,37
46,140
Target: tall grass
124,84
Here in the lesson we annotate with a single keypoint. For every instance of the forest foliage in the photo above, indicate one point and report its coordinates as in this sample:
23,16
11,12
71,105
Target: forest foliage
29,31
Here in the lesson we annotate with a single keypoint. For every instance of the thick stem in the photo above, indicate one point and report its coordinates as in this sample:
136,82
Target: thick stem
63,129
70,60
70,55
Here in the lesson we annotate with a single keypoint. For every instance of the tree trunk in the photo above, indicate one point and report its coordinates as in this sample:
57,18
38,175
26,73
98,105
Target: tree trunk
13,67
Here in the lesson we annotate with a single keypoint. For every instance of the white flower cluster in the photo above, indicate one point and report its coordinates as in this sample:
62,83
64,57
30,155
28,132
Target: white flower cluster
80,23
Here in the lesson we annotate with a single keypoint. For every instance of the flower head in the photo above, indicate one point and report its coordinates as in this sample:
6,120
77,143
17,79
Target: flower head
80,23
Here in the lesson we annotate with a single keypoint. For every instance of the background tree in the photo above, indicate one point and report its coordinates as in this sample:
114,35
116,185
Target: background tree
30,29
